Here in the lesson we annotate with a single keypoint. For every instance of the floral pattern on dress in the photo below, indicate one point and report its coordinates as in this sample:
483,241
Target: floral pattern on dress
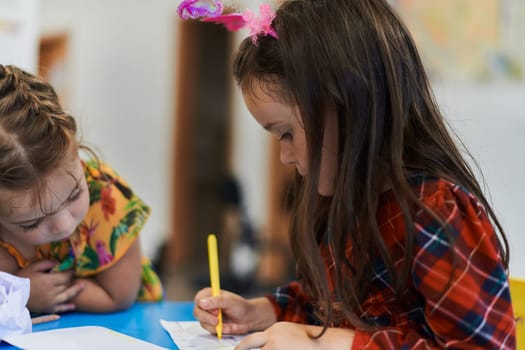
114,220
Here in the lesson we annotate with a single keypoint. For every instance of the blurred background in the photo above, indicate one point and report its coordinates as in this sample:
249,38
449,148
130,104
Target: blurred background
154,96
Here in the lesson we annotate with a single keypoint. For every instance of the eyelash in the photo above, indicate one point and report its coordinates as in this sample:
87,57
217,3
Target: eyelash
27,228
75,196
33,226
286,136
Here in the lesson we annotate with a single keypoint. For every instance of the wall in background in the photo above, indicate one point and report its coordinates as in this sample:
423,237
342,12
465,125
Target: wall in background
19,29
490,119
120,76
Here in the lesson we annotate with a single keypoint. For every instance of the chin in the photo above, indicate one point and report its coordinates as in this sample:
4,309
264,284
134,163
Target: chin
63,237
325,192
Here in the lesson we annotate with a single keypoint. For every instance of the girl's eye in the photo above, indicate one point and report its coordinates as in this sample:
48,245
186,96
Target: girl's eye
30,227
75,196
286,136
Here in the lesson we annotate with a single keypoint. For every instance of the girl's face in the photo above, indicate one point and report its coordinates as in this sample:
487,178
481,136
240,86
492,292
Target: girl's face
284,121
63,205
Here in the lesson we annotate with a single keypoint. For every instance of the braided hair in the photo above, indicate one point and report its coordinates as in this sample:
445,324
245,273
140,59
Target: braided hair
35,133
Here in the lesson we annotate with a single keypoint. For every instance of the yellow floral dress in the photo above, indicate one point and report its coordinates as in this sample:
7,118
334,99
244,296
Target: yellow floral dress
113,222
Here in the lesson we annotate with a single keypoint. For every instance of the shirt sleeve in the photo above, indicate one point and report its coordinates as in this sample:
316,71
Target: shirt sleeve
113,223
291,304
474,310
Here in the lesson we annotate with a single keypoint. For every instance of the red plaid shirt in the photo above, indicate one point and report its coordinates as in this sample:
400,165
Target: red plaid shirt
476,312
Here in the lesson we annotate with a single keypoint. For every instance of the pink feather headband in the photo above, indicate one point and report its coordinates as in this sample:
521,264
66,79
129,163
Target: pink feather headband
211,11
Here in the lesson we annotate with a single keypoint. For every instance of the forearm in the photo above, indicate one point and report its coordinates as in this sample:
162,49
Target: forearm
263,314
95,298
290,335
115,288
333,338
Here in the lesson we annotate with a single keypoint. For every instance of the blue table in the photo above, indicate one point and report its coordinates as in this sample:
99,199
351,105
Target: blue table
140,321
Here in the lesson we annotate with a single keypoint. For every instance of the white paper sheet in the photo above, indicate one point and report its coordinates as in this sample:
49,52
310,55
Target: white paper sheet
190,335
80,338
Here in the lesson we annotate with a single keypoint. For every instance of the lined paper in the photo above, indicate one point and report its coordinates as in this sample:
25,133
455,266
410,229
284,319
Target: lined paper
189,335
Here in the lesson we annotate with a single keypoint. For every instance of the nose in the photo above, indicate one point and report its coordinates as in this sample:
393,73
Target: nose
63,222
287,154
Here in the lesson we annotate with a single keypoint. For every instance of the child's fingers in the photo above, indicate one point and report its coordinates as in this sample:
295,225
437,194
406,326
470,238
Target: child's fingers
222,301
63,307
61,278
69,293
203,293
234,328
42,265
205,316
255,340
208,327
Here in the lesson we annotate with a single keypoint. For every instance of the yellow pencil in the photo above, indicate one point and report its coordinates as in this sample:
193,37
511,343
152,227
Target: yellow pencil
213,259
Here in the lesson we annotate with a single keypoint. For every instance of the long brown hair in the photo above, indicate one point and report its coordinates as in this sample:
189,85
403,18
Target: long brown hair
358,56
35,132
